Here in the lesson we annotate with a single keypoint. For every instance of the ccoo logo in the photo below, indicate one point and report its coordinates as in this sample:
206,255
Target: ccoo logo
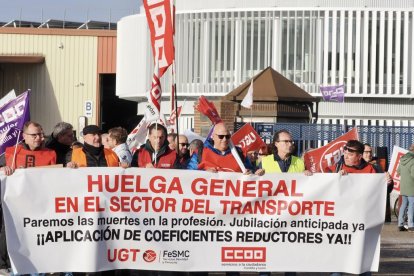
149,256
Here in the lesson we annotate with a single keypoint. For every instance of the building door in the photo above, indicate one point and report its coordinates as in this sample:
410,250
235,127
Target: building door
114,111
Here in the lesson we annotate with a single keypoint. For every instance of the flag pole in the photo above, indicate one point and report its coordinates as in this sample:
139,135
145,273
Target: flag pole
176,108
15,150
343,113
174,79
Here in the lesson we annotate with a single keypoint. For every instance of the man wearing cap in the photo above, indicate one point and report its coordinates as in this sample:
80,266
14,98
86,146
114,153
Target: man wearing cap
92,153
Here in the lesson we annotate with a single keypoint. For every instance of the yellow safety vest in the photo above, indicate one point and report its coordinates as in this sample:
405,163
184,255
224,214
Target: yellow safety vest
270,165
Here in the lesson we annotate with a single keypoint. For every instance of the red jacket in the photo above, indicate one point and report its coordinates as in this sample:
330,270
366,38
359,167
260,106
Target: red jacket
223,163
30,158
363,167
165,157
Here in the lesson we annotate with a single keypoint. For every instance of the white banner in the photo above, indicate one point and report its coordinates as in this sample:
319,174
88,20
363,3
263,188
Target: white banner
94,219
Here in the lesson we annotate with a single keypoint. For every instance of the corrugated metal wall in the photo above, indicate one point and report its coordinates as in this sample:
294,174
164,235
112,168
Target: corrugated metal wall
62,84
107,54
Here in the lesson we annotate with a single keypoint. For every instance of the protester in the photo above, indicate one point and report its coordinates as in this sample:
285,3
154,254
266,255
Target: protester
60,141
172,142
263,151
92,153
30,153
155,153
406,172
253,156
368,157
117,137
196,151
104,140
217,155
282,160
352,162
183,152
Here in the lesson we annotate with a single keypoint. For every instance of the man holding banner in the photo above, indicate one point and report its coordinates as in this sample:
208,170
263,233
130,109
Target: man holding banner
217,155
352,161
30,153
155,153
282,160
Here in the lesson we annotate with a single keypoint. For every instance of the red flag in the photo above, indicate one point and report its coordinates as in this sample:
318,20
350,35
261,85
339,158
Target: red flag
208,109
247,139
160,22
171,120
156,92
318,160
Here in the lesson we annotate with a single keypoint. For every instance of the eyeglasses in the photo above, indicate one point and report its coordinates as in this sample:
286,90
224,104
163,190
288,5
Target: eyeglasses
350,150
286,141
34,135
184,144
221,136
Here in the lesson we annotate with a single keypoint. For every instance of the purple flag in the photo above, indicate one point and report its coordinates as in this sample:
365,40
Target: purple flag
13,115
333,93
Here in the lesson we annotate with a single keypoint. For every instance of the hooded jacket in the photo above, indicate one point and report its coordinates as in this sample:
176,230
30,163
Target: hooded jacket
163,159
406,171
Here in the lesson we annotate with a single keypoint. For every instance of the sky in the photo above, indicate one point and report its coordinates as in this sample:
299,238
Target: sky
71,10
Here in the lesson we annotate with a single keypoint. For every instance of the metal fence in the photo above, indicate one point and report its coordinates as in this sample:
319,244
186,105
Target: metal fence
316,135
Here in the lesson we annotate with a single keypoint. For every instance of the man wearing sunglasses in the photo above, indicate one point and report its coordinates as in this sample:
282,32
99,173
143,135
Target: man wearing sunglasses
217,155
183,152
352,161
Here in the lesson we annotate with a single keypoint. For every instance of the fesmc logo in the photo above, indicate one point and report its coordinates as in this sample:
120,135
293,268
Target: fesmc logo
243,254
149,256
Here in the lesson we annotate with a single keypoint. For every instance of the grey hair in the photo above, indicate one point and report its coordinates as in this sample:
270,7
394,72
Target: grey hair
61,128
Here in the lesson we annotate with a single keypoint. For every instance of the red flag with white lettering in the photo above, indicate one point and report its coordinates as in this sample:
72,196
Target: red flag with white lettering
153,108
171,120
160,22
318,160
247,139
